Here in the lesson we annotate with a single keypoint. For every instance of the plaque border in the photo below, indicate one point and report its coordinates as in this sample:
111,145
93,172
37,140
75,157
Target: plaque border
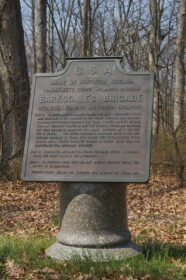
70,60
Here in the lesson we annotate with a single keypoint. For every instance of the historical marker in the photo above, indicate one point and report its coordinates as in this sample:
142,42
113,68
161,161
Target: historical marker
90,122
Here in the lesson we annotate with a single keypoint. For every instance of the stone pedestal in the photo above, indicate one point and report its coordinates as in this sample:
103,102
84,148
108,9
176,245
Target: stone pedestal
93,222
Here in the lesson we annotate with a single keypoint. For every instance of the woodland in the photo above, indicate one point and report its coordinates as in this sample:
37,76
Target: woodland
36,36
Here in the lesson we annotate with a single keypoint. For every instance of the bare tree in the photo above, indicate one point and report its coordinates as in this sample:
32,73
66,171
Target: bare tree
86,21
41,35
34,65
51,36
61,16
132,34
14,83
155,42
179,66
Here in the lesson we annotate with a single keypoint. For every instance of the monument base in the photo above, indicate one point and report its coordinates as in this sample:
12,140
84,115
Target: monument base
59,252
93,223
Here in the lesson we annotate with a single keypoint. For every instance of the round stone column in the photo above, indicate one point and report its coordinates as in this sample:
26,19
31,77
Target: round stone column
93,221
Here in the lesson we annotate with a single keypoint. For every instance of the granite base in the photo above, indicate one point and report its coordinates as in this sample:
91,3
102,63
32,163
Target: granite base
59,252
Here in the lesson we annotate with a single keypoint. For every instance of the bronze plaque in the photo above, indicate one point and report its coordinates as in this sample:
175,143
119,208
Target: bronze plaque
90,122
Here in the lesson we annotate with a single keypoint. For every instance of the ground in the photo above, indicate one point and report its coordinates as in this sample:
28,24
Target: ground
29,223
156,210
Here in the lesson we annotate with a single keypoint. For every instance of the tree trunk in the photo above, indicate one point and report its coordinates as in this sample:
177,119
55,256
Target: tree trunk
34,66
85,28
63,58
51,37
14,83
89,51
155,42
1,118
41,34
179,66
62,43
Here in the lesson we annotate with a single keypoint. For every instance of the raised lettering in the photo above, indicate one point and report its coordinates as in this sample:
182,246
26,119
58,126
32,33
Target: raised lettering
107,70
93,69
79,70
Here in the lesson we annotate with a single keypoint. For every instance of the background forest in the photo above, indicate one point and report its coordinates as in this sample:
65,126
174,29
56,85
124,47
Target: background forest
38,35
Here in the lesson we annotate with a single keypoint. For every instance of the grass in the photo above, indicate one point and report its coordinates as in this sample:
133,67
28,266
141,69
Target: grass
21,250
157,261
55,218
